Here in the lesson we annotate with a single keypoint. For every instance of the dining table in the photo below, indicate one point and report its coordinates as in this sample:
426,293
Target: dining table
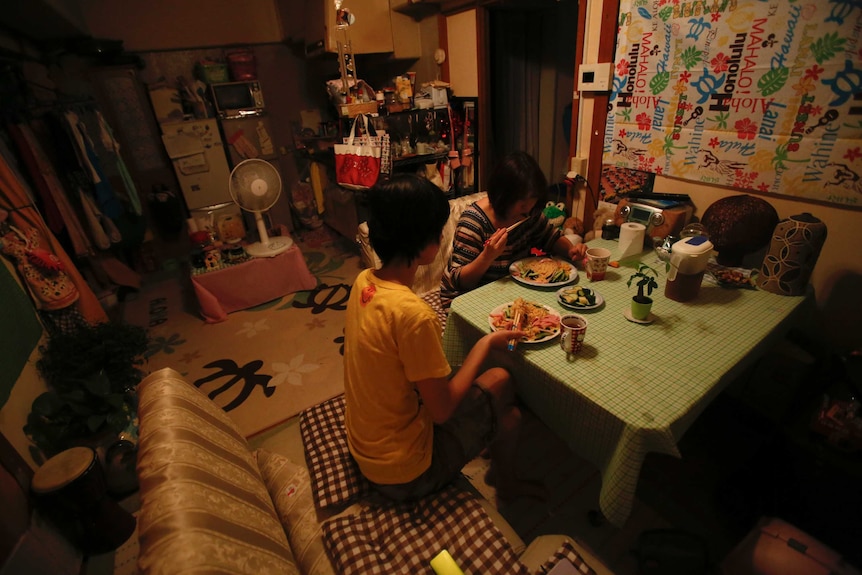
633,388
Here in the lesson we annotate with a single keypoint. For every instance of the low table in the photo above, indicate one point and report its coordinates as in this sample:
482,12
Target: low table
633,389
251,283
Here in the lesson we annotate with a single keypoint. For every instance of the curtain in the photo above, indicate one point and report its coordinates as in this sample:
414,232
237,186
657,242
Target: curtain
516,65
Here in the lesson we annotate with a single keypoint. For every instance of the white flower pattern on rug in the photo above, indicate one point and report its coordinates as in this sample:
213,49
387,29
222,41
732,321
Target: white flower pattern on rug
291,372
295,342
251,328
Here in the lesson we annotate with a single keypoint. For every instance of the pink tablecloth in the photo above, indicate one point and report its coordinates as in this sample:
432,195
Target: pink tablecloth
252,283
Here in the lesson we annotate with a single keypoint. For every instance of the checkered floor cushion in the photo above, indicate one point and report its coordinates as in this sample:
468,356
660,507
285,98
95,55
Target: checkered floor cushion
403,538
566,552
432,298
335,476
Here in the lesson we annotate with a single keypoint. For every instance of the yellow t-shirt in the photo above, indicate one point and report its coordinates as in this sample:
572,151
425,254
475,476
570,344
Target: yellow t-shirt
391,340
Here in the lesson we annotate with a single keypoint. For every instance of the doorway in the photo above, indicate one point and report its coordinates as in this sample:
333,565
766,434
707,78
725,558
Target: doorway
531,62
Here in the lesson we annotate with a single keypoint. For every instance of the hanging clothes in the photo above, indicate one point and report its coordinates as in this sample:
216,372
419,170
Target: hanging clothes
108,202
23,215
111,143
55,197
50,211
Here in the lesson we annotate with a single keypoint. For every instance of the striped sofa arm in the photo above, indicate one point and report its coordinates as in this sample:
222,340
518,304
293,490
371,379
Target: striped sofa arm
204,505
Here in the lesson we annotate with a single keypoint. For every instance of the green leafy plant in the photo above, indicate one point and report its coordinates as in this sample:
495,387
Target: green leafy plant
646,281
91,374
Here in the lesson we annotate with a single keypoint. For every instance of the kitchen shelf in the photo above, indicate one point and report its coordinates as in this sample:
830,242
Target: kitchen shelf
416,159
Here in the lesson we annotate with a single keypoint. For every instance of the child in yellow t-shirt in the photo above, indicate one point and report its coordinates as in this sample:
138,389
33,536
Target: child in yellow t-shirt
410,426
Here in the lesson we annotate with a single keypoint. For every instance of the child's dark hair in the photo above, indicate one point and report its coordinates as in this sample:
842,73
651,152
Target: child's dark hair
407,213
517,176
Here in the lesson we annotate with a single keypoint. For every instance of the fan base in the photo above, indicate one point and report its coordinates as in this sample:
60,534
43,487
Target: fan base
269,249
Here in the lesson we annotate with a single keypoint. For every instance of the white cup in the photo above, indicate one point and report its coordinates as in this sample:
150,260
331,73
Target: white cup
596,263
573,329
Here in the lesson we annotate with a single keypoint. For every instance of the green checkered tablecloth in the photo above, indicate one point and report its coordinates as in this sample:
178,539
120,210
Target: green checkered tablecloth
633,388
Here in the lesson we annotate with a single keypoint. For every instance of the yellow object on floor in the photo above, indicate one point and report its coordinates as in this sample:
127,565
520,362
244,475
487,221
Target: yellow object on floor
443,564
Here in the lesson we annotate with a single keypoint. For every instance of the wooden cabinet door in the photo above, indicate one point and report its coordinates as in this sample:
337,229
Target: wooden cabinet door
370,32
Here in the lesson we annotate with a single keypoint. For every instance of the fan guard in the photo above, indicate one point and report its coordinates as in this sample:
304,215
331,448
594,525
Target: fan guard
255,186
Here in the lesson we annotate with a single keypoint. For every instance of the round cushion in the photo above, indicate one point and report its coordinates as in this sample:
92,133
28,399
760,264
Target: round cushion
739,225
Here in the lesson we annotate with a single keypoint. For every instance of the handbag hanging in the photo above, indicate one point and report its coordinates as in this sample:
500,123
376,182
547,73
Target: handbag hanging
358,160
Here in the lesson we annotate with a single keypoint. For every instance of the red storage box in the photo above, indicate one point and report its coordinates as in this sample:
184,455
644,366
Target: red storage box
242,65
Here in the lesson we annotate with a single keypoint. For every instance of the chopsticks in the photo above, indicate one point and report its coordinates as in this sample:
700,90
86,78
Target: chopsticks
510,228
516,324
516,224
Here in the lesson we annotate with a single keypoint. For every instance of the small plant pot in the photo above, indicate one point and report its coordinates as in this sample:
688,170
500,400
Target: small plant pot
641,307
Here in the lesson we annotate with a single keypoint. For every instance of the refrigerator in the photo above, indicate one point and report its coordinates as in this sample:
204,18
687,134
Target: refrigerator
249,137
252,136
197,152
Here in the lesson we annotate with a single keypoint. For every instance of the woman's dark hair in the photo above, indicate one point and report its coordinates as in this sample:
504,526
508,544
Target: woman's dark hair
517,176
407,213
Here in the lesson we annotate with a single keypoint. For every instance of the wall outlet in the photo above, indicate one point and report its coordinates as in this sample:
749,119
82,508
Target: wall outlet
579,166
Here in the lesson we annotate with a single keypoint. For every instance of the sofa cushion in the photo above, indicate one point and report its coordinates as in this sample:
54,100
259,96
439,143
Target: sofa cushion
335,475
432,298
552,550
290,488
204,506
403,538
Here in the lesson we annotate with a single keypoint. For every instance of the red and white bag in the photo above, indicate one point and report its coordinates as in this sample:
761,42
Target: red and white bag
358,160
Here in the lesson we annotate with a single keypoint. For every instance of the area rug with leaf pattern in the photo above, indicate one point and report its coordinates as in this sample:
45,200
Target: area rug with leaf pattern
265,364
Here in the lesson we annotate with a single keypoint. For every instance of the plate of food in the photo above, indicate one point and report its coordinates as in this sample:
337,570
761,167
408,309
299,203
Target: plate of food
731,277
578,297
543,272
541,322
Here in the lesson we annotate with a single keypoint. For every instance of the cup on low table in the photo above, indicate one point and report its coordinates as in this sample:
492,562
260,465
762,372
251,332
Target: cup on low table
573,328
596,263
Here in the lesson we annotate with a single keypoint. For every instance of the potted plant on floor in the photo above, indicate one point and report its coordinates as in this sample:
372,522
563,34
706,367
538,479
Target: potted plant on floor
646,282
92,373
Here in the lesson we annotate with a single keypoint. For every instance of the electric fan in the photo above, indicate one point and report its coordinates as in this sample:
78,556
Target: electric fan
255,187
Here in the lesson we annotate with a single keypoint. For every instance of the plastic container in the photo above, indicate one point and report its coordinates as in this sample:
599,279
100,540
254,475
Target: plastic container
212,72
242,65
688,259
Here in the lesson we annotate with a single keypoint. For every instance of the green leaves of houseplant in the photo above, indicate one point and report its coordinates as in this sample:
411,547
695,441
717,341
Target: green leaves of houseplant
91,375
646,280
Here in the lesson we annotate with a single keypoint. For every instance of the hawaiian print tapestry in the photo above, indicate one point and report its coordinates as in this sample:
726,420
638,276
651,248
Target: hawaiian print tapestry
757,95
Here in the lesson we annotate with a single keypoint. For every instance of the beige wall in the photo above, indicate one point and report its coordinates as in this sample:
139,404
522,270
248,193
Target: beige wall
838,260
145,25
463,54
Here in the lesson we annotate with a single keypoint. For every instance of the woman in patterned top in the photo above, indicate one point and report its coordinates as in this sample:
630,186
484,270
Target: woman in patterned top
482,248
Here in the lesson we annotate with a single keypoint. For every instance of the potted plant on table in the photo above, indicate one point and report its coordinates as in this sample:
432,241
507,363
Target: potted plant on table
92,373
646,283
